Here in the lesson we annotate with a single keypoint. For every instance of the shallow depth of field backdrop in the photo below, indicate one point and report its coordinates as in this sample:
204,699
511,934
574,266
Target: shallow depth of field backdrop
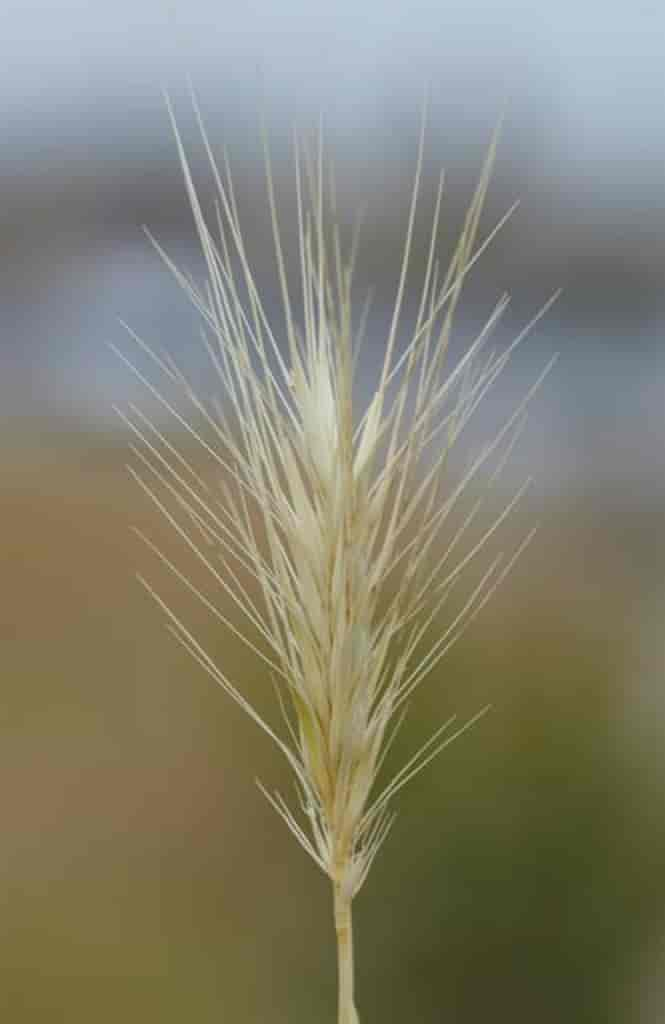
143,876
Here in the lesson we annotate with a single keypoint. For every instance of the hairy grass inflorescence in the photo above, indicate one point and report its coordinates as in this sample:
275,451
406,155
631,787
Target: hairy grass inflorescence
329,530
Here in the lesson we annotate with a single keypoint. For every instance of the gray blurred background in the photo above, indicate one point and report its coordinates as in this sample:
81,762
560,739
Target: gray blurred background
142,874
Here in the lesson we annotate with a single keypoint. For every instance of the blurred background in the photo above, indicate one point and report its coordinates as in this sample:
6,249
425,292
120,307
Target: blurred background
143,875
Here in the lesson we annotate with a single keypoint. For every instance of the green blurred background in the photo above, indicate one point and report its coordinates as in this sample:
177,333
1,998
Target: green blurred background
143,875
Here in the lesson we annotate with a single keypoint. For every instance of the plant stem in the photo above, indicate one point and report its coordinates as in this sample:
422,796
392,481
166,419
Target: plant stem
344,927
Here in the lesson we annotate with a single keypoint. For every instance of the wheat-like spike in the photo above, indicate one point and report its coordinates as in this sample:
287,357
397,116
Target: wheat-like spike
336,514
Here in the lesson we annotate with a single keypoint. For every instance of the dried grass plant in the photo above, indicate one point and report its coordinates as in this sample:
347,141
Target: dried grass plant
328,529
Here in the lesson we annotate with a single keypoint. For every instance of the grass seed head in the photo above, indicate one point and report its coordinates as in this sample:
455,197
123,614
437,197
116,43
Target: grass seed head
337,518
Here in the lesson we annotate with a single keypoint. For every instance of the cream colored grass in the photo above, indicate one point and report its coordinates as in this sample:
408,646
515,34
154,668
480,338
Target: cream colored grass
326,528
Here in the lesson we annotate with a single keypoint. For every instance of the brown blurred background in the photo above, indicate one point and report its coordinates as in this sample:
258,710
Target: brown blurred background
143,875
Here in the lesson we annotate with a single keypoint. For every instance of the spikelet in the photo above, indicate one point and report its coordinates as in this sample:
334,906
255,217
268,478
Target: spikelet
336,517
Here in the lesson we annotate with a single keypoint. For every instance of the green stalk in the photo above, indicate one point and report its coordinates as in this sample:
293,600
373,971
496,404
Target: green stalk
344,928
